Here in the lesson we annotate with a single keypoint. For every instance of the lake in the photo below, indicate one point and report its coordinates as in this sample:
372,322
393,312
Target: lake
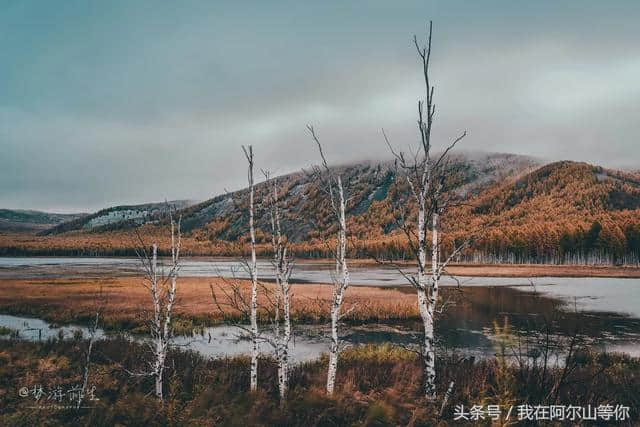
604,312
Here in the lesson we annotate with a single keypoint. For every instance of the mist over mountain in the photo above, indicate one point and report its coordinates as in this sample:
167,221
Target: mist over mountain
118,217
517,208
365,182
29,221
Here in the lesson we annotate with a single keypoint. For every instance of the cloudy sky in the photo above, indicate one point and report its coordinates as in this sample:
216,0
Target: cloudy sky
117,102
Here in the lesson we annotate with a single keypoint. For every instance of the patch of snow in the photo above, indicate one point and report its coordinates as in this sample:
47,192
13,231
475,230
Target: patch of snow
116,216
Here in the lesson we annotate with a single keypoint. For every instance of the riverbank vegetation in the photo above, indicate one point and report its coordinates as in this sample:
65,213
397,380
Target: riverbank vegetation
376,386
612,239
69,301
72,301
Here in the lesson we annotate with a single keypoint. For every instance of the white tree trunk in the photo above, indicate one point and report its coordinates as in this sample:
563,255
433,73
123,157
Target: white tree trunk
284,350
85,377
429,350
333,352
425,295
253,269
427,180
284,357
340,286
158,364
326,178
287,334
158,376
165,334
283,267
163,300
446,398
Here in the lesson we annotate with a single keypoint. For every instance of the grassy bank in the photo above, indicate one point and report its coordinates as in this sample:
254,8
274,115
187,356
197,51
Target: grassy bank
125,244
378,385
73,301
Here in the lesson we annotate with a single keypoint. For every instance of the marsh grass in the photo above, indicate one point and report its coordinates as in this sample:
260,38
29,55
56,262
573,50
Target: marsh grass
72,301
378,385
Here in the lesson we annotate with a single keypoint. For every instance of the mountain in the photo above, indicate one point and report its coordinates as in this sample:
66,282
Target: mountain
574,187
28,221
561,210
117,218
305,209
517,209
306,212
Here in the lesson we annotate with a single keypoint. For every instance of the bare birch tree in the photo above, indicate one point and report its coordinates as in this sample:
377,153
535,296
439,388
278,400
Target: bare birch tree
253,272
283,265
331,184
427,180
162,289
276,302
93,328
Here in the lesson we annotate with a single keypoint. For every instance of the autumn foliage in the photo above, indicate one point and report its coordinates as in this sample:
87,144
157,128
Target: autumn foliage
564,212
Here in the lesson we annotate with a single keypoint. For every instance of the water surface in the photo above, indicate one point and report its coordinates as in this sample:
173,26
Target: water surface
602,311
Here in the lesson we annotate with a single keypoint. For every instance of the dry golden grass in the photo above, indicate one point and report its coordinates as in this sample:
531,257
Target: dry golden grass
375,386
74,300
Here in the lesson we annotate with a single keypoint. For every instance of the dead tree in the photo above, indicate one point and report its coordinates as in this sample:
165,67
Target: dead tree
330,183
283,265
93,328
427,179
234,306
162,289
253,273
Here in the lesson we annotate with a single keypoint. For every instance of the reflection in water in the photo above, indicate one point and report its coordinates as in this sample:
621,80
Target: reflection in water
617,295
466,326
531,316
603,311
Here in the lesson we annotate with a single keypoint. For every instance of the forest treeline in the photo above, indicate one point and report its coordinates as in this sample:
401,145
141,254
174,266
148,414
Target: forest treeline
561,213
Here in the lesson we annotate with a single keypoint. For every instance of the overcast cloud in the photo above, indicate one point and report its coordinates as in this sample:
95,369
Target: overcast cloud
105,103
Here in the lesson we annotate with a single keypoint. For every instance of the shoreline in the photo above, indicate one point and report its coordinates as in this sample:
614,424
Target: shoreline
459,269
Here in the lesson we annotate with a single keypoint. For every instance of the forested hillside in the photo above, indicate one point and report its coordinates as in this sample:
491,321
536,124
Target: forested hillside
516,210
117,218
562,212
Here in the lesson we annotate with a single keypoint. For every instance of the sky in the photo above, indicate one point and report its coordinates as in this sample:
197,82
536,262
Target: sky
126,102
